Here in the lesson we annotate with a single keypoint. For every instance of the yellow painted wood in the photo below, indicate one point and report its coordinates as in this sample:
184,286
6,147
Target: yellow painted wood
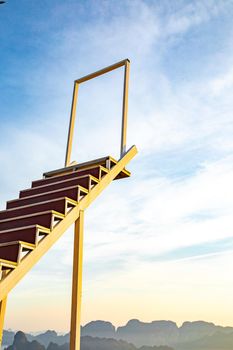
102,71
2,317
71,126
108,69
125,109
75,328
18,273
83,166
3,303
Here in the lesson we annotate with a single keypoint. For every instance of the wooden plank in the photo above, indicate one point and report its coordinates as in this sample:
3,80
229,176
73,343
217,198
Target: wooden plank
59,205
125,109
75,327
73,193
71,126
2,317
83,181
3,303
94,171
85,165
102,71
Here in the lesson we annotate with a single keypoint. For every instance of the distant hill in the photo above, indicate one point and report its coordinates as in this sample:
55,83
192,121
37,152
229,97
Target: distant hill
21,343
43,338
87,343
217,341
155,333
101,329
8,337
190,336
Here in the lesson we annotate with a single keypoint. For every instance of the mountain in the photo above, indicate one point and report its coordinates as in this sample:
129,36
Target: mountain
21,343
191,335
43,338
52,337
217,341
8,337
154,333
191,331
99,328
87,343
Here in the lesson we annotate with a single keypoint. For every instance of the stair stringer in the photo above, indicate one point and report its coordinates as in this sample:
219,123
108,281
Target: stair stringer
9,282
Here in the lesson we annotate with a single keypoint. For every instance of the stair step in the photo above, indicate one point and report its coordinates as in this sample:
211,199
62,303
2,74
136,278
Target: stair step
47,219
30,234
15,251
107,162
86,181
61,205
5,267
75,193
96,171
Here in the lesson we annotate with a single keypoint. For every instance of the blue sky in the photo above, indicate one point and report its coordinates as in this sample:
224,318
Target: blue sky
174,226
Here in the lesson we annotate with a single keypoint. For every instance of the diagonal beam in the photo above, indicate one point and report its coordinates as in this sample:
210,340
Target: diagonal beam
21,270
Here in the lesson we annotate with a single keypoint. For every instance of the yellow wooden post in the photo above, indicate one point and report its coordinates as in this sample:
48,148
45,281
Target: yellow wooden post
2,317
71,126
2,313
125,109
75,331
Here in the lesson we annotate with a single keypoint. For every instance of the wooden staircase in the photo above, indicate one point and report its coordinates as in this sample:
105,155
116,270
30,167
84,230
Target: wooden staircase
32,223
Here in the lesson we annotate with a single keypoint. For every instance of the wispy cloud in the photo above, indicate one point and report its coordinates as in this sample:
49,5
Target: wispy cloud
180,117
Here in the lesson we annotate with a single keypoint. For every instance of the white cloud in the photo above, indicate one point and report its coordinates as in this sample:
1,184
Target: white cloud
142,217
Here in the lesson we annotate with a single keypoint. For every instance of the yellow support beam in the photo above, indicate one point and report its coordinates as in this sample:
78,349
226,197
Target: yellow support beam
2,317
71,126
125,109
27,263
75,329
3,303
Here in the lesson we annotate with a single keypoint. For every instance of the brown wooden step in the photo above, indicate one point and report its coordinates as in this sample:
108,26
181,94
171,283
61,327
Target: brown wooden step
15,251
30,234
61,205
96,171
86,181
75,193
6,267
47,219
107,162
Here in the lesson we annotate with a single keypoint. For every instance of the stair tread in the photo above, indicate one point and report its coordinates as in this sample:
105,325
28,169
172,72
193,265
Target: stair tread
39,227
58,204
9,263
84,165
58,183
45,193
39,203
21,243
100,161
52,212
69,175
29,234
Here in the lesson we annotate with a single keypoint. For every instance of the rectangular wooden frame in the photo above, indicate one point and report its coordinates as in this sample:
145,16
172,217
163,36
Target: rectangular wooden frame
126,64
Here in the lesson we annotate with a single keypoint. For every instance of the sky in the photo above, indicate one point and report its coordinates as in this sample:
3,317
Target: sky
158,245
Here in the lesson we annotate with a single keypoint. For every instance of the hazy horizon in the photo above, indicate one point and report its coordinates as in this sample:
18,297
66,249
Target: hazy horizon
116,326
